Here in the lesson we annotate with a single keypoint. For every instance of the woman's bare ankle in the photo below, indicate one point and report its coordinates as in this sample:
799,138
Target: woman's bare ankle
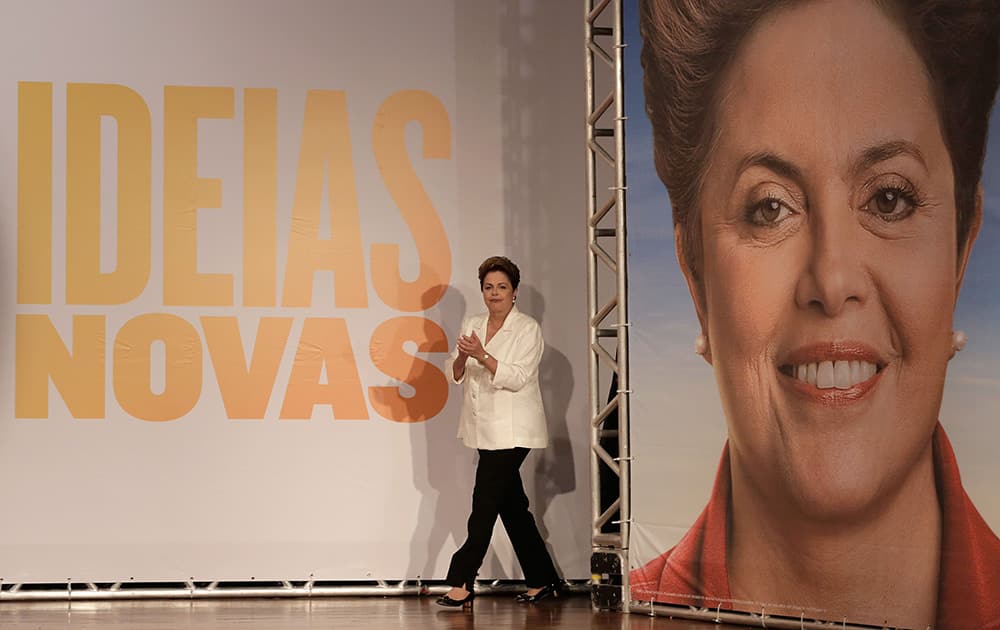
457,592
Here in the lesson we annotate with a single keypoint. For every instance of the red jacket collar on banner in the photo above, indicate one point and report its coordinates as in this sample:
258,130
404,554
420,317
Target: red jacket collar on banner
694,572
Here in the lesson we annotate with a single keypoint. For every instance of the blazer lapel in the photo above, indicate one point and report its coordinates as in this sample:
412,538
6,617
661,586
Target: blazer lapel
481,329
508,326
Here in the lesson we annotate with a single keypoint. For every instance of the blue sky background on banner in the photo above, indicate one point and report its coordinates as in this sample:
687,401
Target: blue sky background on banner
676,417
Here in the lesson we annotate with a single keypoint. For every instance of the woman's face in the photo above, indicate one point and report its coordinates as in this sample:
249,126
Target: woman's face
831,268
498,293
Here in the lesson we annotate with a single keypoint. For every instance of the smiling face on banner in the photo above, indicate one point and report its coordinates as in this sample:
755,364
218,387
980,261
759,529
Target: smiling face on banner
826,204
830,267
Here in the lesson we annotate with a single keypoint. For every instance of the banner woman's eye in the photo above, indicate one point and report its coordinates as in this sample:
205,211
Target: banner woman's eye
891,203
767,212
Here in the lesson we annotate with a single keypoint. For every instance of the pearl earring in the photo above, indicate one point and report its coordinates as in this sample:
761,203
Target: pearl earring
958,340
701,344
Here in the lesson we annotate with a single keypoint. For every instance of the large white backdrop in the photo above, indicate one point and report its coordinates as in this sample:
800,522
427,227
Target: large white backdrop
196,178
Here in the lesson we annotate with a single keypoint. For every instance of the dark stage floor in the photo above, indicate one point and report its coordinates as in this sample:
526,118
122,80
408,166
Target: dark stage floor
359,613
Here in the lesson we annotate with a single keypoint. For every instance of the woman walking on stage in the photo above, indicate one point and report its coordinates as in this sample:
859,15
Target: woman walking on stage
496,360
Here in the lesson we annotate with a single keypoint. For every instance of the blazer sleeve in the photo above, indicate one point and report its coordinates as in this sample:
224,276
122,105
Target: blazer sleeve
449,364
523,364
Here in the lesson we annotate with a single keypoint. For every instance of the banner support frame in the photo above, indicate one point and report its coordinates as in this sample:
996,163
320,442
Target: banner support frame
608,483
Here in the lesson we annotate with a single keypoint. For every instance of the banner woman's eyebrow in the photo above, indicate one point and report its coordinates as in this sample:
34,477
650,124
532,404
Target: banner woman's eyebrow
773,162
886,151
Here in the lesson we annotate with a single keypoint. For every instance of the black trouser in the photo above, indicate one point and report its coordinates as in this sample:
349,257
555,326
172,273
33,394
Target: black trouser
499,492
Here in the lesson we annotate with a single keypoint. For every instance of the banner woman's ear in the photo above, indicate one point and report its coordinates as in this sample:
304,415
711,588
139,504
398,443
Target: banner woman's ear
695,288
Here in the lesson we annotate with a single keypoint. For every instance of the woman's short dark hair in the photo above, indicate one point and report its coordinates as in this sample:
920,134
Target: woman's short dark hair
689,43
500,263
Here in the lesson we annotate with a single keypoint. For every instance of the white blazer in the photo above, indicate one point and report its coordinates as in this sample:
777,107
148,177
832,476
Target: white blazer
503,410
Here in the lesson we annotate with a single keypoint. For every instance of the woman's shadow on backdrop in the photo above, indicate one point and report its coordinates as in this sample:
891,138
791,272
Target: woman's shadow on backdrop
554,472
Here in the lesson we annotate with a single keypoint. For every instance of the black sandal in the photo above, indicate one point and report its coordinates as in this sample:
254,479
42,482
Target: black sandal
464,603
549,590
